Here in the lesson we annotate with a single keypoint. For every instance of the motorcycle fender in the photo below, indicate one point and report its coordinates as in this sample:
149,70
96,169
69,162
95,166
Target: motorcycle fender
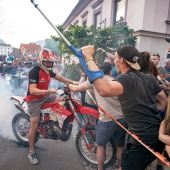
87,111
61,113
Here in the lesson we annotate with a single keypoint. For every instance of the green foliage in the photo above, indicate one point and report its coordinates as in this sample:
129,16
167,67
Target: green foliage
112,37
79,36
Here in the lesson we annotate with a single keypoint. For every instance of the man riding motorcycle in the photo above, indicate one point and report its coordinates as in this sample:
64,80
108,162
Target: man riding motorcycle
38,94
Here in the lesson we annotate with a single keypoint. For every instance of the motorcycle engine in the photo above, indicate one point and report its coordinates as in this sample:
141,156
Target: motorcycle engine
49,129
53,131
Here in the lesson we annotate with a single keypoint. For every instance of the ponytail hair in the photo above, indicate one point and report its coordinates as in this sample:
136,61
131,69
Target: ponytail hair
146,65
144,60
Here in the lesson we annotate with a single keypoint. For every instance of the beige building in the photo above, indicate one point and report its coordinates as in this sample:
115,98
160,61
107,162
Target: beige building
150,20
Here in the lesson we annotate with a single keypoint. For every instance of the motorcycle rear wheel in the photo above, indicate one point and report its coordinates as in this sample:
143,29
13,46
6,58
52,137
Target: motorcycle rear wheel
21,126
89,155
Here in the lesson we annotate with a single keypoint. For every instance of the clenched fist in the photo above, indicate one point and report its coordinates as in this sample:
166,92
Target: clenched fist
88,52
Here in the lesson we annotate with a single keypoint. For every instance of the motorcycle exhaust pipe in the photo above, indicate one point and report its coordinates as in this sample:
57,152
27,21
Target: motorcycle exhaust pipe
19,107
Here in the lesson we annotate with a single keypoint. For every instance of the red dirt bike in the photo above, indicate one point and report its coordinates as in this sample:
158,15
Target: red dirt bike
56,122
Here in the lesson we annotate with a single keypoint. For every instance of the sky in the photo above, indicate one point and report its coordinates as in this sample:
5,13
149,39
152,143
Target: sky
21,22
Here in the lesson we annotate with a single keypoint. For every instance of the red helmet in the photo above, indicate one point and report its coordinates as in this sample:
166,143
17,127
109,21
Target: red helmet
46,59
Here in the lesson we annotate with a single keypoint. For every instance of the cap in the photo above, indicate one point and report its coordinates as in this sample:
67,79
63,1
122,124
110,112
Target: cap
131,56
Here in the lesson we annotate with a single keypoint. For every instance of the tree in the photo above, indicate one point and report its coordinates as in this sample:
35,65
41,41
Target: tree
107,37
79,36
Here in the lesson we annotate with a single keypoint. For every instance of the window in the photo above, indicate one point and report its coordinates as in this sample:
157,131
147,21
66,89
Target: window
119,10
97,19
84,18
84,22
76,22
168,18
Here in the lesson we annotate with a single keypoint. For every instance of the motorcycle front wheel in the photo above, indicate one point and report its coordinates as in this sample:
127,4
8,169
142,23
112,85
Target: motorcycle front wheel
88,151
21,126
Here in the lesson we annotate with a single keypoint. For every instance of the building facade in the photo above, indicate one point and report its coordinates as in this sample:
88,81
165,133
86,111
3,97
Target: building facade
30,50
5,49
150,20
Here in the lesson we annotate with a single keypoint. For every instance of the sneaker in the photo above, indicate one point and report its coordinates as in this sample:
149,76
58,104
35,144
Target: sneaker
33,158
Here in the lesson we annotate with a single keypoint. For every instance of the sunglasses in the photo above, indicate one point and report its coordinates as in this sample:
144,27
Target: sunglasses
155,54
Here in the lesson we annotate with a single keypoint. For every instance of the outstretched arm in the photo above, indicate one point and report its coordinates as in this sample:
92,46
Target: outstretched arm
81,87
65,80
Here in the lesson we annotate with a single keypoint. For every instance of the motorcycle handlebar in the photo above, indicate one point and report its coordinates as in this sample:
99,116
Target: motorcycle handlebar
63,90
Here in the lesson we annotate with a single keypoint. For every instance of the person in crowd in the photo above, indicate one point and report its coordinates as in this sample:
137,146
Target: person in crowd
167,67
81,80
155,58
106,129
148,67
88,101
164,131
137,93
109,57
38,93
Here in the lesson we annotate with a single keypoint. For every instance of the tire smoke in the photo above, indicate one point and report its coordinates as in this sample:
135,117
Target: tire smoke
7,111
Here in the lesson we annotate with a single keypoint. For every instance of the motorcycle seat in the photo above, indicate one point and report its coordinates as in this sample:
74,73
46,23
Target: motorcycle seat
50,104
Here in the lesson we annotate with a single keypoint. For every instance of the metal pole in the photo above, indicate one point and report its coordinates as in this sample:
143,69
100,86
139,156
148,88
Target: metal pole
55,28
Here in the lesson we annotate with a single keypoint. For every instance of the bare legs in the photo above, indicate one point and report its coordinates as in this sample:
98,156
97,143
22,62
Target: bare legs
32,132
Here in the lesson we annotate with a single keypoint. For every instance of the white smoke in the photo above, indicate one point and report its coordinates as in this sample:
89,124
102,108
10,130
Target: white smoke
7,110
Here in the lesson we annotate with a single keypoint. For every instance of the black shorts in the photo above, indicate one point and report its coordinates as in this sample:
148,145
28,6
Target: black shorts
106,131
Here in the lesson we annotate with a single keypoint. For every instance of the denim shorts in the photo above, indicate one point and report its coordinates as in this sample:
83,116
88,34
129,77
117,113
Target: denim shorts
106,131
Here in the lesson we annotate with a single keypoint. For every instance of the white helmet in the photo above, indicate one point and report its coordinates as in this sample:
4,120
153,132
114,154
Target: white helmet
46,59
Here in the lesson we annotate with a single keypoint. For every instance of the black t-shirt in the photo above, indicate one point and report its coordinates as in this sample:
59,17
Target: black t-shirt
139,104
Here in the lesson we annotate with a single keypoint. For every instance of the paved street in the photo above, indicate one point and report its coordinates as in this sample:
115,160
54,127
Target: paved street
53,155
